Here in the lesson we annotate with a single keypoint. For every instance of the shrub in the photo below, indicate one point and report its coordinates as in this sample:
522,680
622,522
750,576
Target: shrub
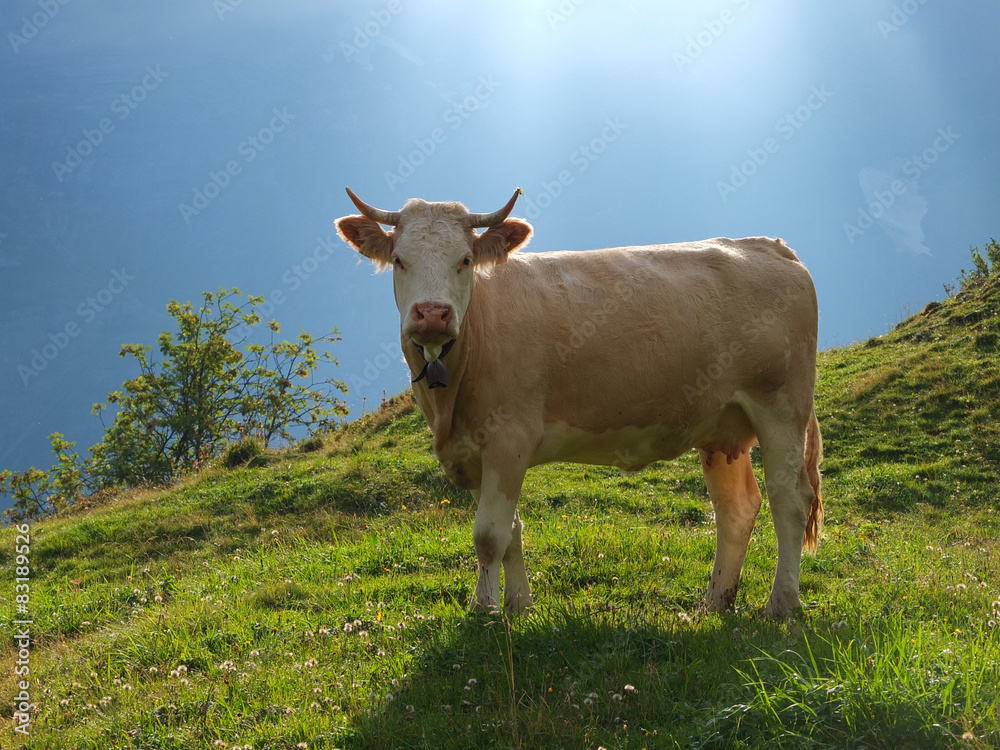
38,493
246,452
205,393
311,444
982,268
202,397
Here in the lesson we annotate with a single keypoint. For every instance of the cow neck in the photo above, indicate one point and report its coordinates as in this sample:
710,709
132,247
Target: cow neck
438,404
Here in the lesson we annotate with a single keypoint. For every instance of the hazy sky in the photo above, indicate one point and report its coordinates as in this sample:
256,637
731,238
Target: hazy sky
151,151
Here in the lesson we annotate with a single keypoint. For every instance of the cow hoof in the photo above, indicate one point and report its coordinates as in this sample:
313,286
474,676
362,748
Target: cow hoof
484,608
724,602
776,609
518,606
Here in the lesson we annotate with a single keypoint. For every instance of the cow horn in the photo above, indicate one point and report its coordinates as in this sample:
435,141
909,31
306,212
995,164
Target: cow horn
375,214
489,220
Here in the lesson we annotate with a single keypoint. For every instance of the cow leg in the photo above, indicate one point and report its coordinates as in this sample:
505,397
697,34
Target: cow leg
789,493
517,591
497,539
736,500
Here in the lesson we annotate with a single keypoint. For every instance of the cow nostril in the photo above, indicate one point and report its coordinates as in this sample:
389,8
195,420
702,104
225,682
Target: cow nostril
431,315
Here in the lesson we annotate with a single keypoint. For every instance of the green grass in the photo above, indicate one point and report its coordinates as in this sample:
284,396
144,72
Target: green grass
320,596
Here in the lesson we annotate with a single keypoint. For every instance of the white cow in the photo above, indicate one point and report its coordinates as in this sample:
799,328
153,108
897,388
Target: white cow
618,357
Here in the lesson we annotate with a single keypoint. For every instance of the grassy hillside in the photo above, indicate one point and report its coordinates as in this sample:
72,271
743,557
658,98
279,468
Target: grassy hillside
320,600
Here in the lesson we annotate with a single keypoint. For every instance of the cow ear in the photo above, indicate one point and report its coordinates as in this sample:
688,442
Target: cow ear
368,238
493,245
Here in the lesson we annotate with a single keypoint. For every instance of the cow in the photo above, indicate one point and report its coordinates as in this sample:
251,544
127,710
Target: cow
619,357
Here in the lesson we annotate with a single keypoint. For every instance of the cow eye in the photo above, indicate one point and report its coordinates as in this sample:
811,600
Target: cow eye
467,262
398,263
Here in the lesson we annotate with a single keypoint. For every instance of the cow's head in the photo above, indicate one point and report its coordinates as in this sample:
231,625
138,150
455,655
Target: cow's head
435,253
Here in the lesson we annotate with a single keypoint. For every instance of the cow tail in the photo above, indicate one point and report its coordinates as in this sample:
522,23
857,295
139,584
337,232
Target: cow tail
814,455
